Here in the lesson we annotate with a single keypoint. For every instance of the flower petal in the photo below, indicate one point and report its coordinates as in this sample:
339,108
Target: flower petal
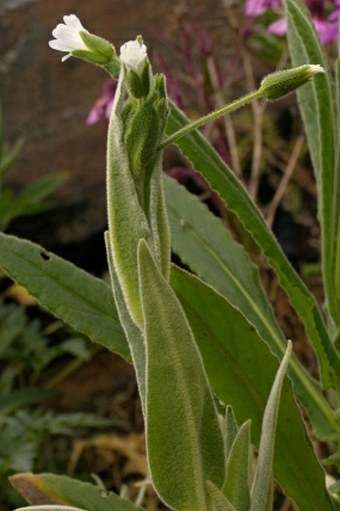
133,55
67,36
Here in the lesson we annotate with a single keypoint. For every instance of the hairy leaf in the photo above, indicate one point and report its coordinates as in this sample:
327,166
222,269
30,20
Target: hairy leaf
81,300
241,369
206,161
236,484
207,247
317,107
54,489
184,439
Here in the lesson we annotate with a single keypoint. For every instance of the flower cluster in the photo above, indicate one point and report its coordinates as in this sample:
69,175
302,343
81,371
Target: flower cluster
325,15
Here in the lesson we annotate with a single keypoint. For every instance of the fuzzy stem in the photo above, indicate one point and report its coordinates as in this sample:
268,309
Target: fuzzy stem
234,105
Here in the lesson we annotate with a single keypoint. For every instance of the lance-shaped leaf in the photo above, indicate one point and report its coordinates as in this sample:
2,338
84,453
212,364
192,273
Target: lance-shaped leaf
241,370
230,429
317,108
220,502
206,161
49,507
41,489
236,484
126,218
73,295
207,247
184,440
132,332
135,198
261,492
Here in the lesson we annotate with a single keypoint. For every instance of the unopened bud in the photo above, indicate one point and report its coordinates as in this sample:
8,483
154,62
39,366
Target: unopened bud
281,83
133,55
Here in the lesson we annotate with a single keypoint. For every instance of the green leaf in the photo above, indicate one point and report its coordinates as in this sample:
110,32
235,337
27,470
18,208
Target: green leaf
207,247
9,157
6,201
241,370
317,107
126,217
30,200
81,300
53,489
204,244
336,207
206,161
261,492
236,484
132,332
230,429
49,507
23,397
136,207
184,439
220,502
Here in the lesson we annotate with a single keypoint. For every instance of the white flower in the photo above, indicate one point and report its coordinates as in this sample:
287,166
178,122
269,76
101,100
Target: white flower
67,36
316,68
133,55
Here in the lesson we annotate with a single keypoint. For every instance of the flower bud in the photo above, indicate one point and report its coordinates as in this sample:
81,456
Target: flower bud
281,83
133,55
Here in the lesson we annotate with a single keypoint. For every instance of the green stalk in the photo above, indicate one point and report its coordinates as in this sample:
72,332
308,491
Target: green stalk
231,107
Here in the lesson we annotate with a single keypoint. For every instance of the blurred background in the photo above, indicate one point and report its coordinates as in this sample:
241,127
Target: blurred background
47,102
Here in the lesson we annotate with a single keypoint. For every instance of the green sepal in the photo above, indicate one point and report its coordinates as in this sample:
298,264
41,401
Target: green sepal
98,45
139,86
92,58
144,122
281,83
112,68
184,439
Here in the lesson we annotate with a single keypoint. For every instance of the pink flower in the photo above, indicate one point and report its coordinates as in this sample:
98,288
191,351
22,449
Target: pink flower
103,106
326,25
327,28
259,7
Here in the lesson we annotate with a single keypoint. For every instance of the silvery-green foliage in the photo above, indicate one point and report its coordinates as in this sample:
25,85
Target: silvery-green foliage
184,438
194,466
